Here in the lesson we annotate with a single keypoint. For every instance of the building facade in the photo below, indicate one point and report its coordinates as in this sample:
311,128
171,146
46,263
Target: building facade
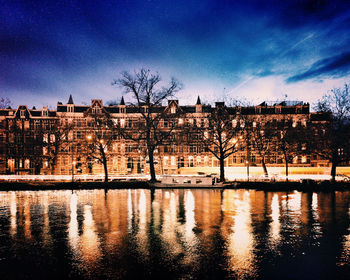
52,141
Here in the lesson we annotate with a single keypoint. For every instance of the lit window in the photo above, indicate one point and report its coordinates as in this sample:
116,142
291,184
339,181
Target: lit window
166,160
173,161
122,122
234,123
190,161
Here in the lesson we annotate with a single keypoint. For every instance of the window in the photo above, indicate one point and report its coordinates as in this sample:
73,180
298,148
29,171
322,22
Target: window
130,163
206,161
193,149
173,161
190,161
23,113
70,108
44,113
173,110
96,110
122,122
180,162
242,123
166,161
234,123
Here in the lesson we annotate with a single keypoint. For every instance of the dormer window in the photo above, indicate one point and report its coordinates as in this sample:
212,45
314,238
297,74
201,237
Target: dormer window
22,113
173,110
96,110
44,113
122,110
70,108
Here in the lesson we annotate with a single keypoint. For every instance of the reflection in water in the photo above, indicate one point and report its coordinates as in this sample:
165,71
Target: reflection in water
189,216
169,233
182,234
241,242
142,237
275,223
345,256
73,227
294,202
13,213
27,216
90,244
46,225
130,214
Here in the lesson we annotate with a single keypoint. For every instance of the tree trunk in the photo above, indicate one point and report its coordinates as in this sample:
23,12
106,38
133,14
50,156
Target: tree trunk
104,162
264,167
286,161
151,165
106,170
334,165
222,169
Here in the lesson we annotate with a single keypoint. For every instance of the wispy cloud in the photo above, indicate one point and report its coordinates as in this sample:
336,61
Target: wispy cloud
331,67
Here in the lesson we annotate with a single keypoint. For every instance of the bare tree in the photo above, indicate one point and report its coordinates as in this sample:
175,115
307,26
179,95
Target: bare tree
5,102
290,137
219,133
99,138
332,141
54,140
148,97
262,136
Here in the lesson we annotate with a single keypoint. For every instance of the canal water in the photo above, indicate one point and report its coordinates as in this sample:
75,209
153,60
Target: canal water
174,234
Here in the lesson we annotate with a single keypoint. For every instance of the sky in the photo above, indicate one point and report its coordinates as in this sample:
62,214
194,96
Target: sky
220,50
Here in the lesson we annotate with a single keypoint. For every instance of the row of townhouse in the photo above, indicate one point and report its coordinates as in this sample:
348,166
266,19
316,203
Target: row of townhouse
23,132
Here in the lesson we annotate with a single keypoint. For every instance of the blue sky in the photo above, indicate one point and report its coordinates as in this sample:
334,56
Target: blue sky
260,50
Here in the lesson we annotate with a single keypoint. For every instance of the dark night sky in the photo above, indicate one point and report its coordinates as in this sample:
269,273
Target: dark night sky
217,49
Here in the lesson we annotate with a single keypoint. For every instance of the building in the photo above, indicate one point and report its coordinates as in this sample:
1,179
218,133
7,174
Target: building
39,142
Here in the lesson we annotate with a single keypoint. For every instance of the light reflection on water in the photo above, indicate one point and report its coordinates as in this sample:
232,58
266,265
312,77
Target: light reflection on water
174,234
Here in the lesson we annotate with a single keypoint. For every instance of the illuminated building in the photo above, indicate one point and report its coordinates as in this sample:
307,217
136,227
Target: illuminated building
27,138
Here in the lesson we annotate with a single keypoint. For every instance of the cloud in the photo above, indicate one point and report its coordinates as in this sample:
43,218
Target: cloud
331,67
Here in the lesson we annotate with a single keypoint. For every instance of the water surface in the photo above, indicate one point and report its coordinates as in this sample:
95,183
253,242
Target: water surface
174,234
